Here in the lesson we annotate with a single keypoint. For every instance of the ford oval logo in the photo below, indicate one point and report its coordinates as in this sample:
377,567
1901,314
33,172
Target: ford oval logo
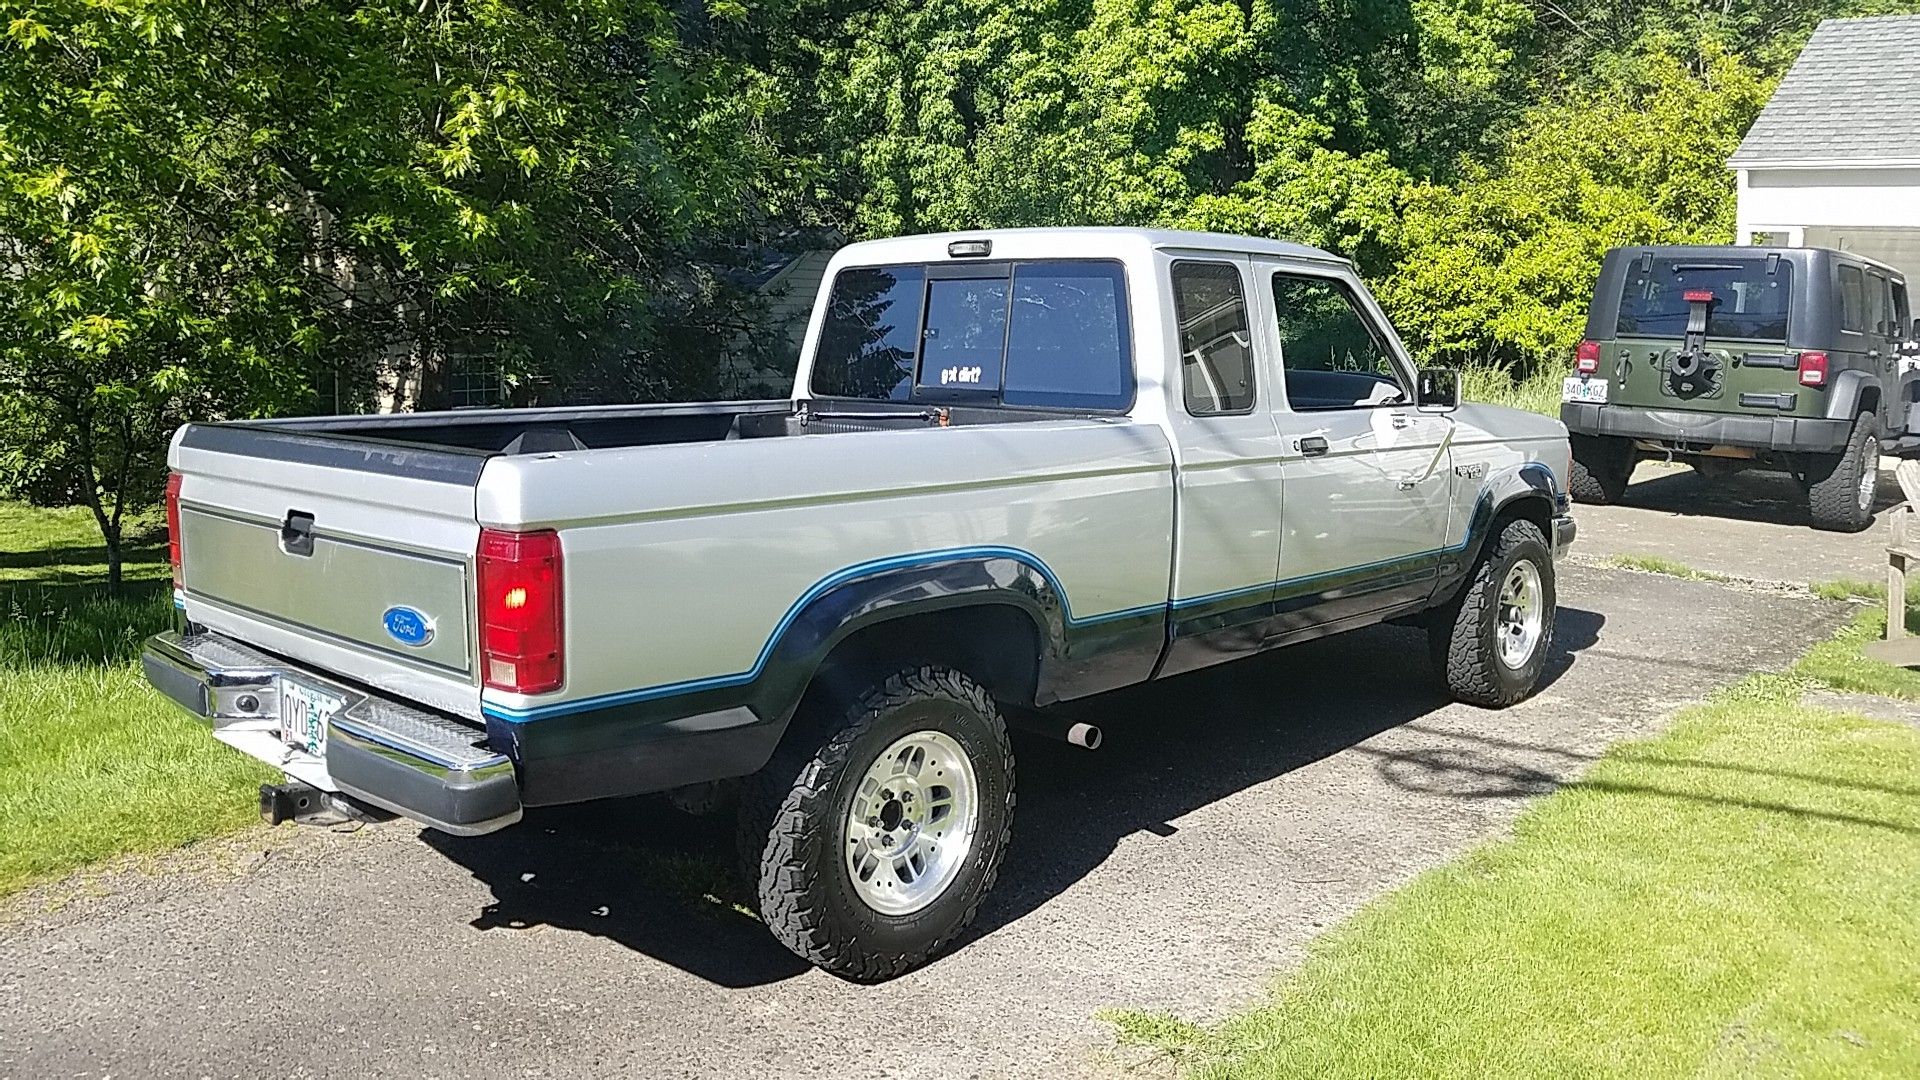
407,626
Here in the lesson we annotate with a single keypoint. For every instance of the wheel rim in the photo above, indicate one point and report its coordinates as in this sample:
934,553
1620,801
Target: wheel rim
1522,614
1869,478
912,823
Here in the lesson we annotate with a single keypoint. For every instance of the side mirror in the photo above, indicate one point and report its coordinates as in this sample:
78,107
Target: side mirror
1438,389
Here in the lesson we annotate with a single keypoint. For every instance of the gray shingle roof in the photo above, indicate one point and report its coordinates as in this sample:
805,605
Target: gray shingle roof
1853,96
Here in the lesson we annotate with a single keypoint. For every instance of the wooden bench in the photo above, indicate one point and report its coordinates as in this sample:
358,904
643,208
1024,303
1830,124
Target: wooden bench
1903,553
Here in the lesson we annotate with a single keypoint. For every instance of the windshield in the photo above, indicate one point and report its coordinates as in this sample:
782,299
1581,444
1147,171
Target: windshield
1749,297
1048,334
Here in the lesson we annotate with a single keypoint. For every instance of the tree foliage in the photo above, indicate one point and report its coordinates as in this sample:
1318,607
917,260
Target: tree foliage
215,208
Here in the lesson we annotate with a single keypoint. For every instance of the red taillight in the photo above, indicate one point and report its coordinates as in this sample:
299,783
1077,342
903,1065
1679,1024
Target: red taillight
1698,296
1813,369
173,528
520,634
1586,359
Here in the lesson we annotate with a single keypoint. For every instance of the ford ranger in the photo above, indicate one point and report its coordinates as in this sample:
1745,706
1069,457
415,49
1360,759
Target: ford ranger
1018,468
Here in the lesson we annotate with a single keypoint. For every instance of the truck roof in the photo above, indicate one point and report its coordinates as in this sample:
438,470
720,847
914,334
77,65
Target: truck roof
1070,242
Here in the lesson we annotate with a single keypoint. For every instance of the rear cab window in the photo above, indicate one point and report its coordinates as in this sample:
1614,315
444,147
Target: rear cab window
1033,334
1750,296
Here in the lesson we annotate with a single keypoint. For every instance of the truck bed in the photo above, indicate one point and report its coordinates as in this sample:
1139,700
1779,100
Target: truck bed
515,431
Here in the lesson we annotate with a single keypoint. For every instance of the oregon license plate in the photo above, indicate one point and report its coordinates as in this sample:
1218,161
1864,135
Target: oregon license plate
1581,388
304,711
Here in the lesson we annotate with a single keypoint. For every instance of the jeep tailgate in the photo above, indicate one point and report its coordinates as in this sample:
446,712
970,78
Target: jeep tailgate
352,555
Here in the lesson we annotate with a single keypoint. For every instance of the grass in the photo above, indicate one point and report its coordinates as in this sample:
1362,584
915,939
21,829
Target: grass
1538,392
1739,896
92,762
1654,564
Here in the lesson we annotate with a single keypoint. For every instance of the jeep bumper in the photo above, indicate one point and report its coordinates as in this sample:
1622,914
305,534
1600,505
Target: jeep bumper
427,767
1804,434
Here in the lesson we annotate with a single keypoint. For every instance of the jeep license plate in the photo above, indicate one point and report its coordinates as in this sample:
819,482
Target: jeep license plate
1579,388
304,712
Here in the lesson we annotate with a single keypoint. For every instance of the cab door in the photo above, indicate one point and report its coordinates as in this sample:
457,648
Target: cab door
1228,462
1368,475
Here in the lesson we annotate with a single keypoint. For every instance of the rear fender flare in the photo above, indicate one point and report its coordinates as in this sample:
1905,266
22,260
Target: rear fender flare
1005,577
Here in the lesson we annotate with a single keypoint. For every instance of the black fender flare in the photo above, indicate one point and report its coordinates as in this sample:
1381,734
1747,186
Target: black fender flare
943,581
1529,485
1843,398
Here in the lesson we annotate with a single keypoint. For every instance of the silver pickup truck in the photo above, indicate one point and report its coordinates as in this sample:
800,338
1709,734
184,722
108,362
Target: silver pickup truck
1018,468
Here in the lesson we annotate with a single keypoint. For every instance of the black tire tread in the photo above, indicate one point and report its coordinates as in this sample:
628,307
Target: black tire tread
1459,653
792,795
1832,500
1604,482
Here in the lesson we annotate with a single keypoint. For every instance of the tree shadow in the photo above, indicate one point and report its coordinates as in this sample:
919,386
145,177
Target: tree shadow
53,558
1466,772
638,873
1757,495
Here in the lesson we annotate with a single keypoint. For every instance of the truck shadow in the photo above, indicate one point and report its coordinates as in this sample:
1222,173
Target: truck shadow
661,883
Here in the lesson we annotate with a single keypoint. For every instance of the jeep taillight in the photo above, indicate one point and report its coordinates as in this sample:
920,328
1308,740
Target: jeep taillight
173,528
1813,369
1586,359
521,647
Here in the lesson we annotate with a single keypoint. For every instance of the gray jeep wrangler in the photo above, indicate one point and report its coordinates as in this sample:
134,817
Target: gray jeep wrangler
1798,359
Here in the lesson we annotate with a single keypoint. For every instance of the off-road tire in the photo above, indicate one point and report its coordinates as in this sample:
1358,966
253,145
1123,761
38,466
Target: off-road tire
1462,637
1834,491
792,818
1602,464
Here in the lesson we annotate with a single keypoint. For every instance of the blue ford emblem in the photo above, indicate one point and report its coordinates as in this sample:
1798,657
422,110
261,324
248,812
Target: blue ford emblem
407,626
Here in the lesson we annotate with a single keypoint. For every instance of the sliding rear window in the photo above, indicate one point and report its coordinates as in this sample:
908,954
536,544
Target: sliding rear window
1749,297
1046,334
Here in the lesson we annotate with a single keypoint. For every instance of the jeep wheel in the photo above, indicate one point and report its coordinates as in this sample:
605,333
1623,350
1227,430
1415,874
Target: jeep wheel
872,848
1492,641
1602,465
1841,487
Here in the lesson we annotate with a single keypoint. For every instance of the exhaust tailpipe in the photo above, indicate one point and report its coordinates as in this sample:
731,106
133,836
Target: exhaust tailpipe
1085,736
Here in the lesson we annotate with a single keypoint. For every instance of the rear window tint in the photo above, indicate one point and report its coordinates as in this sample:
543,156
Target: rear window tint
1052,334
1748,301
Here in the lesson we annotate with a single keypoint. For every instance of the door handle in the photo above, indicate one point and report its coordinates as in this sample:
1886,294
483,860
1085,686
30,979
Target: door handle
1312,446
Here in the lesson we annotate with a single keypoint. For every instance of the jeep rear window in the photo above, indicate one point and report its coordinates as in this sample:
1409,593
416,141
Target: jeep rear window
1044,334
1748,301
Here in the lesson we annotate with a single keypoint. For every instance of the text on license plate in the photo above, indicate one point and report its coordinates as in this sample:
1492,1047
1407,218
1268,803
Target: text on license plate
303,716
1578,388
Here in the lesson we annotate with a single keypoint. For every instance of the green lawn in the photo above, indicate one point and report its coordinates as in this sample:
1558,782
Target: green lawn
92,763
1738,897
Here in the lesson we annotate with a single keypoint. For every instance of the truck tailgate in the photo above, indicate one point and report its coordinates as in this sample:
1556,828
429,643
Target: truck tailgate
351,555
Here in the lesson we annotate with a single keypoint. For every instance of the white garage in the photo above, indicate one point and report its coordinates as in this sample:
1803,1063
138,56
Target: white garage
1834,159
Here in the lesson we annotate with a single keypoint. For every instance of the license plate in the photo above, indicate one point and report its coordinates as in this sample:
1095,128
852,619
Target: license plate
1580,388
303,716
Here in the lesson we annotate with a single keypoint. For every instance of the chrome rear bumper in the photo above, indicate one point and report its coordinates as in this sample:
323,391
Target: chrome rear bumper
392,755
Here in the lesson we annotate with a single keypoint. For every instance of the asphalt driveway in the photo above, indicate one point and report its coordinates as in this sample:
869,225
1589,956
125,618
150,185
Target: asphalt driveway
1750,525
1229,818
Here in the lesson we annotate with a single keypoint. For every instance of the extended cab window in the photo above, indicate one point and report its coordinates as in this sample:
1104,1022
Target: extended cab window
1749,297
1216,349
1329,354
1050,334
